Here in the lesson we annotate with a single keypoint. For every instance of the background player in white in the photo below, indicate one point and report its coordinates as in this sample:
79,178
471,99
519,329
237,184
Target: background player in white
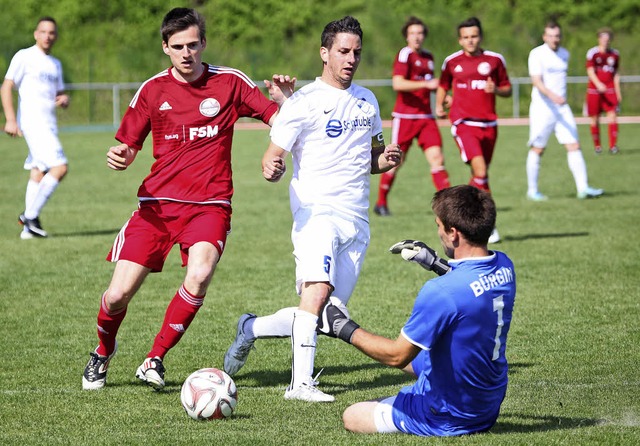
190,109
454,342
413,80
333,130
550,112
603,90
38,77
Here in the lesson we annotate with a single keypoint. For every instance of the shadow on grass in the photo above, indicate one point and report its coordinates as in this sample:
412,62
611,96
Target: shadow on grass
509,423
384,376
519,238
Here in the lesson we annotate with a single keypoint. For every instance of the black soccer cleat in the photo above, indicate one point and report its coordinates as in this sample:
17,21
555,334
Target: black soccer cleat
33,226
382,210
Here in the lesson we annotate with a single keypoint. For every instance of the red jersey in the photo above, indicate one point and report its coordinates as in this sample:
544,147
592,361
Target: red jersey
605,64
192,130
414,66
467,76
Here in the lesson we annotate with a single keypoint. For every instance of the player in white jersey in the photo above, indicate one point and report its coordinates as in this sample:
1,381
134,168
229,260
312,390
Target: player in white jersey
38,78
550,112
333,130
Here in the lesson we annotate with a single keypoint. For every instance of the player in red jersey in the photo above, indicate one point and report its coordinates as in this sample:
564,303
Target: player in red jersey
476,76
190,109
413,79
603,90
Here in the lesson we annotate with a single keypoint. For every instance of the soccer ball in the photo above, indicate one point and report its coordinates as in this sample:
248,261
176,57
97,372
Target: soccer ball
209,394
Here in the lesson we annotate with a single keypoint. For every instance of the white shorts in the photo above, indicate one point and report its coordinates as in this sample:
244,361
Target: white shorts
329,247
45,149
544,118
382,416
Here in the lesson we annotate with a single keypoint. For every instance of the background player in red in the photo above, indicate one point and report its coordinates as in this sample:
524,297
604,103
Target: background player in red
413,79
476,76
603,91
190,109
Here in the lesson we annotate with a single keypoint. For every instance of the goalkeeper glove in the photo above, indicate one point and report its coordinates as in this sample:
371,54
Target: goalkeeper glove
419,252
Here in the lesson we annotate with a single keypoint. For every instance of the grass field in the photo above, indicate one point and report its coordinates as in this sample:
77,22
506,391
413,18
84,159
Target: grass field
573,345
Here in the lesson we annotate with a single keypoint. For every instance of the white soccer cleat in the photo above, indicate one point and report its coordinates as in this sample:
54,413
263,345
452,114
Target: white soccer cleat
309,393
494,237
590,192
151,372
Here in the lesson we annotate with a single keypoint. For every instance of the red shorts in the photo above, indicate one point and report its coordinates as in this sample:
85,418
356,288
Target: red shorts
403,131
601,102
475,141
153,229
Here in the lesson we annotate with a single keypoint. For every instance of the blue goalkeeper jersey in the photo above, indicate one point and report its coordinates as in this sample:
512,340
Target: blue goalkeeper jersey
460,321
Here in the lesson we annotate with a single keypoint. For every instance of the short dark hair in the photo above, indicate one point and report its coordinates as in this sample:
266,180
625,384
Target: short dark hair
180,19
413,20
552,24
605,30
468,209
47,18
347,24
471,21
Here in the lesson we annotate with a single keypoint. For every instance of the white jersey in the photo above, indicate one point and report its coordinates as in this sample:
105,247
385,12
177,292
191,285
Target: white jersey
552,66
38,77
329,133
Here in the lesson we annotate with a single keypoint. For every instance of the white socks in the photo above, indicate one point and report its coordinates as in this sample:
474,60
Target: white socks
533,168
579,169
576,164
303,342
277,325
38,194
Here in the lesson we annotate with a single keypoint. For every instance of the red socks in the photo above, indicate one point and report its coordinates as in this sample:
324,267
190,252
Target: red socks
595,135
386,181
108,325
481,183
613,134
440,178
178,317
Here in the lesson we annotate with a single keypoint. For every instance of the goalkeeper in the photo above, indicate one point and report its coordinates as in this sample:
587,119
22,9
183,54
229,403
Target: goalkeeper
454,341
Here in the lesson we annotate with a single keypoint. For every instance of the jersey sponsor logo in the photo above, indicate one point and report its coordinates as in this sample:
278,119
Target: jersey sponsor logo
326,112
165,106
202,132
478,84
170,137
335,127
484,68
209,107
485,283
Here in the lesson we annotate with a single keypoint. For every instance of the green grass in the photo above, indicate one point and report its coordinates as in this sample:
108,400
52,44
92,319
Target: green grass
573,345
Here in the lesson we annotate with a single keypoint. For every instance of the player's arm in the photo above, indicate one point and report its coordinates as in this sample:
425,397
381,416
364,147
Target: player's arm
401,84
384,158
536,80
280,88
441,95
6,93
121,156
616,86
593,77
273,165
395,353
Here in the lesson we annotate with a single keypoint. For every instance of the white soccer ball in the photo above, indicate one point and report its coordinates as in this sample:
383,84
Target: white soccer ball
209,394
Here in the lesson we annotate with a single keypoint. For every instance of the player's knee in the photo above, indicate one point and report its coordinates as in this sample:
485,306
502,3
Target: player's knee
116,298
